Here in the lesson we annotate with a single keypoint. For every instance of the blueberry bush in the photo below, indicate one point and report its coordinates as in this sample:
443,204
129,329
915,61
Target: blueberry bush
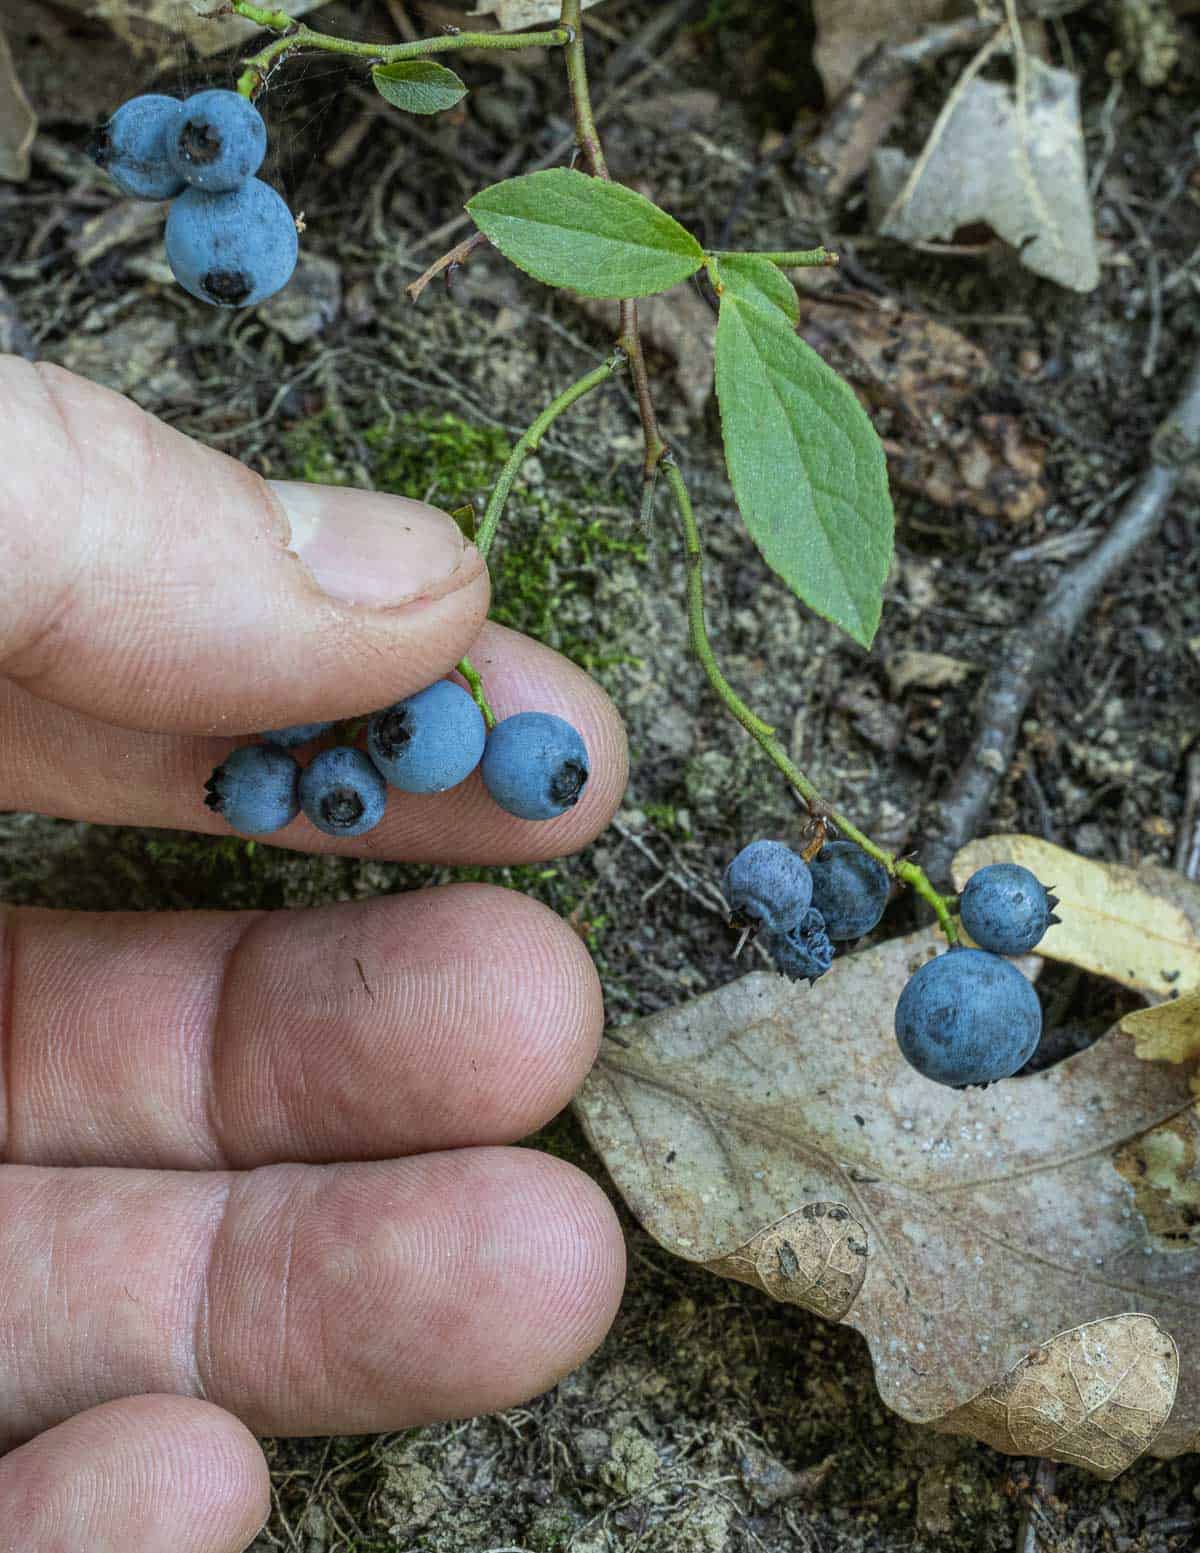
805,465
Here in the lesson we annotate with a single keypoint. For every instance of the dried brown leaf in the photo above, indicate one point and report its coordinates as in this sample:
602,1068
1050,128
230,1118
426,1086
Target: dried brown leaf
775,1135
1014,163
681,325
1096,1397
917,376
846,36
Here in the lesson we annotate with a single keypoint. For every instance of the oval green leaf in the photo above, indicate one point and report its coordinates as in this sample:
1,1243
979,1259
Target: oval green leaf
759,283
586,235
807,467
418,85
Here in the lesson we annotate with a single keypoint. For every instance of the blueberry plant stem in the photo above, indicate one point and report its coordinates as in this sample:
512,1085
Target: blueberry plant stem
295,36
762,732
475,684
587,136
529,441
503,489
794,259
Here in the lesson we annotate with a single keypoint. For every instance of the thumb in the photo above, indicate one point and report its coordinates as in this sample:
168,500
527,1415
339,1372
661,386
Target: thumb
154,583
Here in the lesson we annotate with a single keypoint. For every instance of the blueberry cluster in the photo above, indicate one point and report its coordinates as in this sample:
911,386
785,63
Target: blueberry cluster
231,239
969,1017
801,910
533,764
966,1018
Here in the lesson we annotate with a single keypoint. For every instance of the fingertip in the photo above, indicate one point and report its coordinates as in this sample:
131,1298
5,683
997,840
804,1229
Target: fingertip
585,1264
134,1476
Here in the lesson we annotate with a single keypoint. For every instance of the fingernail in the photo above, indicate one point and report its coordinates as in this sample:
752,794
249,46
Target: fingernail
369,548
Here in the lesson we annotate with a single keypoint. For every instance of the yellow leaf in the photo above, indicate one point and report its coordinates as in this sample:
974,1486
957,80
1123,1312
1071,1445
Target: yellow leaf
1169,1032
1140,926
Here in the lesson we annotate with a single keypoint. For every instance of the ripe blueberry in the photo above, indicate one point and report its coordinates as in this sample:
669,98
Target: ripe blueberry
430,742
219,142
968,1017
535,765
342,793
768,885
803,950
132,147
299,733
1005,909
232,250
850,889
255,788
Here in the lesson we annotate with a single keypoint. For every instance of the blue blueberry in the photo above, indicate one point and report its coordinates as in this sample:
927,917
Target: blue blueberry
535,765
1005,909
342,793
232,250
132,147
430,742
768,885
968,1017
219,142
850,889
256,789
803,950
300,733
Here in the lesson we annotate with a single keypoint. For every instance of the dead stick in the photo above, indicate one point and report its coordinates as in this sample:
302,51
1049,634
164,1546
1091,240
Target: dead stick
1039,644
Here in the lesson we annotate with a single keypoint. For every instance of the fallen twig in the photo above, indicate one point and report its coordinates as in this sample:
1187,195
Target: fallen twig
1039,644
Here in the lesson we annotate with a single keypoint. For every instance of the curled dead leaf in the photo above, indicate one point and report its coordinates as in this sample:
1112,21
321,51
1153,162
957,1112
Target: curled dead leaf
816,1257
1096,1397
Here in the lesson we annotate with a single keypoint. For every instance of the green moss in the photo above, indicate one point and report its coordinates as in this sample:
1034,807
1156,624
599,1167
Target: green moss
551,553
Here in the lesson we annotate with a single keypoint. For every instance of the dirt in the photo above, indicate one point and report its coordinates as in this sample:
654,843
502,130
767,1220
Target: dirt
711,1419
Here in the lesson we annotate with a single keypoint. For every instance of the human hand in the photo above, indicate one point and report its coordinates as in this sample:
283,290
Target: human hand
252,1179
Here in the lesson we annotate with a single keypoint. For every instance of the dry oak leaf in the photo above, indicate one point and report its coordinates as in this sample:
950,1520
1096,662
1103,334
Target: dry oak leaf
774,1133
1138,926
1012,159
1095,1397
1169,1032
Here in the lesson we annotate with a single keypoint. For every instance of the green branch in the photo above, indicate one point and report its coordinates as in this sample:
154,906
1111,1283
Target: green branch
503,489
295,36
793,259
763,733
587,136
529,442
475,681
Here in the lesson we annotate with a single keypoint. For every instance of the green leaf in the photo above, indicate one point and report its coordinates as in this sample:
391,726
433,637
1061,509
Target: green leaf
758,283
418,85
467,520
807,467
596,238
